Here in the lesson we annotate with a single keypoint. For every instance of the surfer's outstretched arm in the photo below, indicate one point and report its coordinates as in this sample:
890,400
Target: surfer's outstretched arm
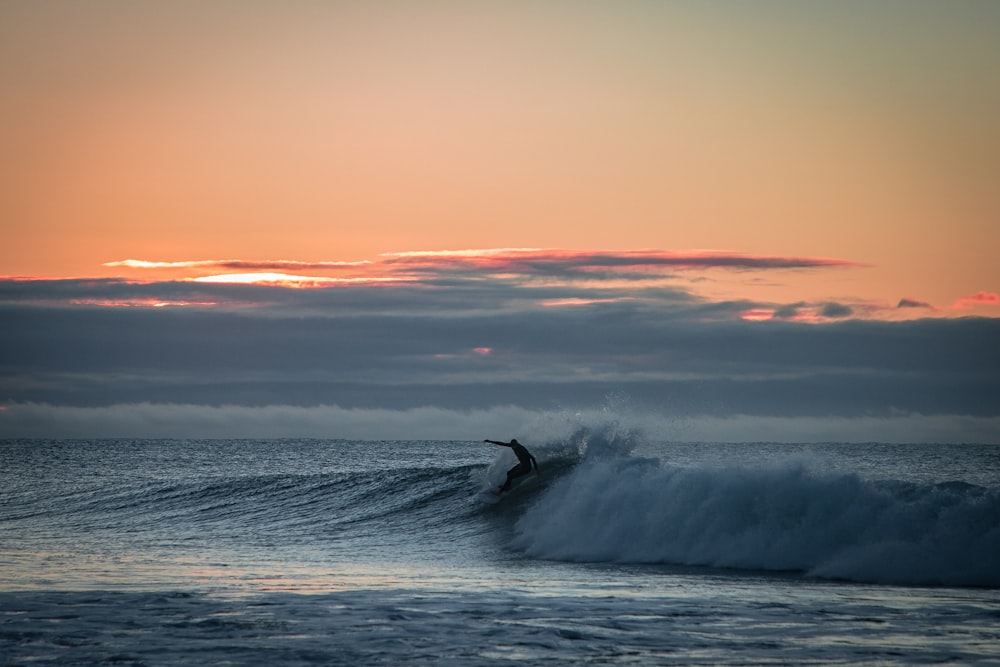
494,442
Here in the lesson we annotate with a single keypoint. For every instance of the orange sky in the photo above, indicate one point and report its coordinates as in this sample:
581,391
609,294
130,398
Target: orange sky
172,131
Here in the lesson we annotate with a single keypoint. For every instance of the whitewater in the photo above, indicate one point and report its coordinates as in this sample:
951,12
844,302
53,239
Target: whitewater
624,550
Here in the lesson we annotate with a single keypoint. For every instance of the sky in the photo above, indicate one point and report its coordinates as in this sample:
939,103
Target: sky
764,220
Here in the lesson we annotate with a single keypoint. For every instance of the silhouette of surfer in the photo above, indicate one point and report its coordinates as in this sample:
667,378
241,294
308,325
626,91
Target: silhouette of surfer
524,462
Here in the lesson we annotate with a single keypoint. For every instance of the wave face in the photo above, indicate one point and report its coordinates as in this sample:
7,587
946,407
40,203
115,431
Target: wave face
371,511
782,517
310,501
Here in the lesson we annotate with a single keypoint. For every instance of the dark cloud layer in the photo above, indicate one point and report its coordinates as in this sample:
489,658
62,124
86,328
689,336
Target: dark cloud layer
472,344
455,343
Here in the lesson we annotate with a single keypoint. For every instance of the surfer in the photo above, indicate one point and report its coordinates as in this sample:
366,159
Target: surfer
524,462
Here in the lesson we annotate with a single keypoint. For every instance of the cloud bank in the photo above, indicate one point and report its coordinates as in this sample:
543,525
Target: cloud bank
459,338
147,420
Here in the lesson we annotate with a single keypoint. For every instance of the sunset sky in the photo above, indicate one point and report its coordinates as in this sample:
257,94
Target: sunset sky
311,216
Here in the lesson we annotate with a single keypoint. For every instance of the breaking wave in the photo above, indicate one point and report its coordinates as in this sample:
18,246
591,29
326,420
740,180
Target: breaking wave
782,517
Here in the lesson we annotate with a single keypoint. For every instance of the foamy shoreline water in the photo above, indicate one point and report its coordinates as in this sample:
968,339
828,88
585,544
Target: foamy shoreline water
709,623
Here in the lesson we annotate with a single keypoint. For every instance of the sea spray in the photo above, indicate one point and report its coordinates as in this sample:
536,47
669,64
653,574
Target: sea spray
592,435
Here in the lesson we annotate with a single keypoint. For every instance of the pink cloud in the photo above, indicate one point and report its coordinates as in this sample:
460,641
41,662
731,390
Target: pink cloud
757,315
577,301
978,299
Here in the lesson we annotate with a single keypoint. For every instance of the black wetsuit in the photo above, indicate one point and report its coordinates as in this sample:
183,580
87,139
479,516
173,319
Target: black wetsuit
524,462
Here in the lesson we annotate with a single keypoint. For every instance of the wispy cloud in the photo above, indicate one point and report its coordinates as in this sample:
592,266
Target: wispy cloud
548,277
535,262
559,262
473,280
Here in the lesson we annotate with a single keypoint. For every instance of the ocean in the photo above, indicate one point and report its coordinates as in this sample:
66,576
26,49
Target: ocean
622,551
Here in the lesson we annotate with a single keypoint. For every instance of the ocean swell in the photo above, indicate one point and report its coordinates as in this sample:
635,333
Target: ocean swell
782,517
